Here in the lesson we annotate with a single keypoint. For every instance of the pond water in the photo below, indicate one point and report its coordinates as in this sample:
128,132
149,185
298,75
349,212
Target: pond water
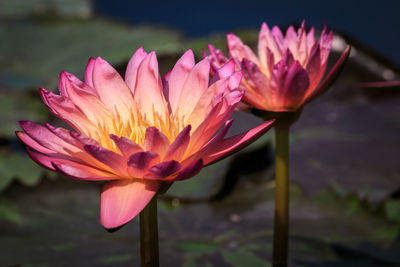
372,23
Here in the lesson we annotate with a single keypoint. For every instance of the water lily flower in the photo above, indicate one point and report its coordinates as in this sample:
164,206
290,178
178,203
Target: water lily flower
139,132
285,75
288,70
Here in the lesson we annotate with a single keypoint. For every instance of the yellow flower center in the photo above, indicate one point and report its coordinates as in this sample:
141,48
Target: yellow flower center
134,128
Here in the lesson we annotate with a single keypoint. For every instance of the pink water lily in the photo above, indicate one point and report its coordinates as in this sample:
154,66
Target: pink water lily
288,70
135,134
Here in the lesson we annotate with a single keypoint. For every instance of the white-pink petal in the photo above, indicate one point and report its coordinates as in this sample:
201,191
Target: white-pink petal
132,68
122,200
149,92
112,90
177,78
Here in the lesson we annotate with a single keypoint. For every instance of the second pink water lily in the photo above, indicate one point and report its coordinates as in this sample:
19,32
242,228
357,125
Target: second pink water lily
139,132
288,70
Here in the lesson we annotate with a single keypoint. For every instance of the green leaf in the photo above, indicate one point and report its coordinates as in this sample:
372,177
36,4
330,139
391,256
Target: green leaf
240,258
392,210
198,246
16,106
116,259
14,165
10,212
22,8
190,260
71,44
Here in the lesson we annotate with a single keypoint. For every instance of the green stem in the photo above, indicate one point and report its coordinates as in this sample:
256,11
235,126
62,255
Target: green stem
281,222
149,235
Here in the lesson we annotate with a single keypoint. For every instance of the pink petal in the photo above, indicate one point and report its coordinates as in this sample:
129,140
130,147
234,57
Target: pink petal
165,80
165,169
125,145
288,58
82,172
253,100
270,61
224,72
155,141
83,139
217,117
325,43
214,141
32,143
89,74
73,138
205,103
217,58
310,40
295,85
235,143
63,108
302,44
122,200
197,140
178,148
69,145
191,170
238,50
380,84
277,34
46,138
229,104
288,86
82,97
115,161
132,68
314,68
141,160
62,85
149,93
70,168
278,76
45,161
266,40
291,40
255,78
78,141
113,91
177,78
331,77
196,84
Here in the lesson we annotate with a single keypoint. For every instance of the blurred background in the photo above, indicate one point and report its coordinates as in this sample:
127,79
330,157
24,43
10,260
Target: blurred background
345,149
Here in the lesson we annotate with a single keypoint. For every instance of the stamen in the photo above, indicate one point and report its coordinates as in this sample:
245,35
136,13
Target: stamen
134,127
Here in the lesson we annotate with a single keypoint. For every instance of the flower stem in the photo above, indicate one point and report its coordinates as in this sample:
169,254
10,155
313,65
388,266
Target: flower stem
281,218
149,235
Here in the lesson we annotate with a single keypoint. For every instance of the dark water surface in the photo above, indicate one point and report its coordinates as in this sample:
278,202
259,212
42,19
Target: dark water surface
373,23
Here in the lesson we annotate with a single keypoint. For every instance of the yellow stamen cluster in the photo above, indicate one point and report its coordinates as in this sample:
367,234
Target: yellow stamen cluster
135,127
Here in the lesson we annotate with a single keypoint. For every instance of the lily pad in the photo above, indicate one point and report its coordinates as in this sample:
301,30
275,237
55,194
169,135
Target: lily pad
71,44
16,106
13,9
18,166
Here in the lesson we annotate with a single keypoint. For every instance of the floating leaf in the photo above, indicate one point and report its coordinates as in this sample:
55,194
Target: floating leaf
116,259
68,44
240,257
198,246
392,210
10,212
16,106
15,165
22,8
